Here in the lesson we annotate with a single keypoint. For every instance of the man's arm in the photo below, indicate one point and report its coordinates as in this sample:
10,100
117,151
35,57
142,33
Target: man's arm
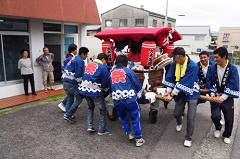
105,75
79,70
52,57
39,60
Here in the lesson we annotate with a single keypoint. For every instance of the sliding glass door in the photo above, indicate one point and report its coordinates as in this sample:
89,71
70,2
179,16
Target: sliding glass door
10,54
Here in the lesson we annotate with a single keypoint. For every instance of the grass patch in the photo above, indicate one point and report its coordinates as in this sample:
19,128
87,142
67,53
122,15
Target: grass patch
9,110
55,98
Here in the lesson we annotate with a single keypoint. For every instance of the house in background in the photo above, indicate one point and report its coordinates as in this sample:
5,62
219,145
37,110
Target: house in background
229,37
129,16
93,29
194,38
35,24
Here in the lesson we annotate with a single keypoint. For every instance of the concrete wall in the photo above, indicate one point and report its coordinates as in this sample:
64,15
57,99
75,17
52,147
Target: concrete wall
159,22
233,40
94,45
36,43
36,46
130,13
189,42
124,12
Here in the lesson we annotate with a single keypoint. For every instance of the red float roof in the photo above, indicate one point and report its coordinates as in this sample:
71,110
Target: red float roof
77,11
137,34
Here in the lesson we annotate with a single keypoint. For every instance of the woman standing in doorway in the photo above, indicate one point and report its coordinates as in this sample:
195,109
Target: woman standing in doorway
25,66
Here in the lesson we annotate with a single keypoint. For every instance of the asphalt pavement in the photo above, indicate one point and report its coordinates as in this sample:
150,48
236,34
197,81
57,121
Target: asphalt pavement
41,132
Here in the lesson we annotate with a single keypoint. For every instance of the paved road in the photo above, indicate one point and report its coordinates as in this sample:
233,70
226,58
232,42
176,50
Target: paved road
41,132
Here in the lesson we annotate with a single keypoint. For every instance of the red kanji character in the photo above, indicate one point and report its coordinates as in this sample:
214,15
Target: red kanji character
91,68
118,76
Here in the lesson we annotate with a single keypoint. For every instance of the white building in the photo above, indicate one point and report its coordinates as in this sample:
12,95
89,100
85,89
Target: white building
35,24
194,38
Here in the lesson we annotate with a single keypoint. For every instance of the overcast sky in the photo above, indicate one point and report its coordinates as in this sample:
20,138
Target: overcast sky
215,13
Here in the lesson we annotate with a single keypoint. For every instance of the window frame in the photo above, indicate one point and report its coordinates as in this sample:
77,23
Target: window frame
198,38
125,22
53,31
106,21
138,22
226,37
68,25
14,20
12,33
154,23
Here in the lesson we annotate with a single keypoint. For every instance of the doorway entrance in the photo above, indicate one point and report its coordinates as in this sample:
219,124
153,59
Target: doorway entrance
59,48
53,42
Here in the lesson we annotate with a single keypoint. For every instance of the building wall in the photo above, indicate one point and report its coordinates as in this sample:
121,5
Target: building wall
39,12
94,45
36,44
124,12
131,13
191,45
189,41
160,22
232,41
186,43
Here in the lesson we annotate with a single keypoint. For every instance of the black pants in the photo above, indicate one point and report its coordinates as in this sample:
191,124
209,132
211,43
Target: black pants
227,107
25,82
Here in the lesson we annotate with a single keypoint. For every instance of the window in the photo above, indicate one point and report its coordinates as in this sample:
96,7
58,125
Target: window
163,23
10,56
108,23
67,42
226,37
139,22
123,22
154,23
70,29
7,24
52,27
91,32
169,25
199,38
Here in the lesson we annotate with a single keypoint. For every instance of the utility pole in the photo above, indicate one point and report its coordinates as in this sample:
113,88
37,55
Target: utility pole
166,22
